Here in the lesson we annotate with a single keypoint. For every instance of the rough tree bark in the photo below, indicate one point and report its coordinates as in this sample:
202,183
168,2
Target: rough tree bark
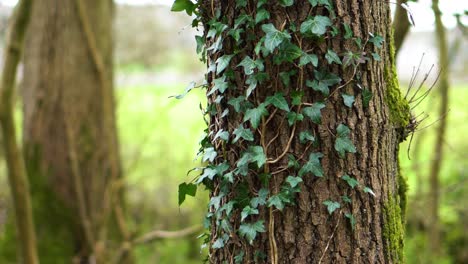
434,196
305,232
18,181
70,138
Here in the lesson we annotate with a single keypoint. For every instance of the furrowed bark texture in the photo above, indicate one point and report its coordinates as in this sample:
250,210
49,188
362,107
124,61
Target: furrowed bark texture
305,232
70,133
17,178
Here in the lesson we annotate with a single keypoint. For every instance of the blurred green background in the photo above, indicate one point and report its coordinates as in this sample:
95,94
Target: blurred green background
156,58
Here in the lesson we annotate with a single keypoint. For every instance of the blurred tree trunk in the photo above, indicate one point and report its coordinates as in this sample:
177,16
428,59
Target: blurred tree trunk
305,232
434,190
401,25
18,182
70,138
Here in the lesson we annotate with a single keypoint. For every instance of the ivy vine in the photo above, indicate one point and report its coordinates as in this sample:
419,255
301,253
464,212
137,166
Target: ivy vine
274,45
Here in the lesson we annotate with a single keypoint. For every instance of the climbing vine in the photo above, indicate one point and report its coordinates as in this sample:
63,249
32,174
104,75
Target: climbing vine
240,182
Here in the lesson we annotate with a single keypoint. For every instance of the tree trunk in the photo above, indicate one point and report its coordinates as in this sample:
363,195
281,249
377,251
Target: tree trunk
401,25
434,200
366,230
70,137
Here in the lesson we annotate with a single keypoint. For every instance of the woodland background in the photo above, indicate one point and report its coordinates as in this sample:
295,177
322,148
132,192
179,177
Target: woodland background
156,59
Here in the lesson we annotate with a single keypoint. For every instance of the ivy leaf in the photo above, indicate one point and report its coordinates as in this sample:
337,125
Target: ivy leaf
313,165
377,41
187,90
286,77
181,5
346,199
331,57
289,52
223,62
241,3
220,85
305,136
276,201
293,117
262,14
369,190
286,3
296,97
278,101
366,97
348,32
236,103
293,181
186,189
252,155
352,182
239,258
376,56
210,154
352,220
273,37
219,243
331,206
342,143
248,211
313,112
292,162
308,58
249,231
224,135
255,115
243,133
316,25
248,64
322,82
242,19
260,199
348,100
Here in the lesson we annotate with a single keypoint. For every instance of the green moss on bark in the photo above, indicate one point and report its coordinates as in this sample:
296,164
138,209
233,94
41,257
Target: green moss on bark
393,230
397,104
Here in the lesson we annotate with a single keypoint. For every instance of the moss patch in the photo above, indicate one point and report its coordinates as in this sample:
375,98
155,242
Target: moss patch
393,230
397,104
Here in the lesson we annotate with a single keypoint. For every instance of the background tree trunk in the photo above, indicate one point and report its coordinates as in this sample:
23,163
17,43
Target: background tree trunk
70,137
401,25
434,189
306,233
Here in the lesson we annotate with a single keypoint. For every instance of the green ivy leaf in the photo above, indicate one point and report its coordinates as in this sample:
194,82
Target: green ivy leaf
348,100
289,52
313,165
220,85
249,231
346,199
242,19
183,5
255,115
308,58
331,57
210,154
376,56
219,243
248,211
293,117
305,136
222,62
254,154
244,133
352,182
342,143
348,32
186,189
352,220
278,101
331,206
286,77
276,201
273,37
286,3
262,14
224,135
296,97
292,162
366,97
293,181
369,190
323,80
316,25
250,65
314,112
260,199
239,258
376,40
237,103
